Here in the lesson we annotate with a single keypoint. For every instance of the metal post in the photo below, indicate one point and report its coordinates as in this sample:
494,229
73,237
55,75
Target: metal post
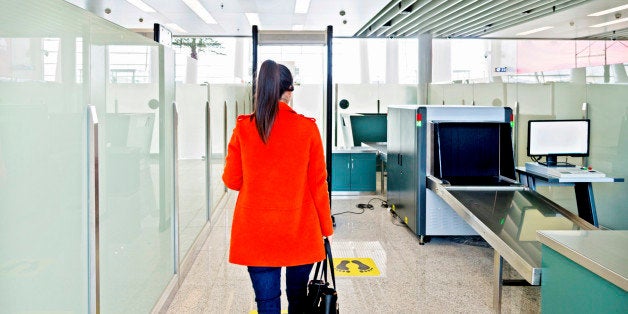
254,70
175,175
208,165
224,131
94,212
515,140
498,266
330,33
336,117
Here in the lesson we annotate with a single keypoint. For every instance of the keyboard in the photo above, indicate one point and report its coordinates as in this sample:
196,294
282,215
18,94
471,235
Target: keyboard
563,172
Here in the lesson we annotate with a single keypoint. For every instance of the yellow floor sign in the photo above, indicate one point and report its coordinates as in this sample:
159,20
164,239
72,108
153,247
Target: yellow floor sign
355,267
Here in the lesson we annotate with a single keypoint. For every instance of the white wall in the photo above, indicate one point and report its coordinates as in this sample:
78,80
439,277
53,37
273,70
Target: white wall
363,99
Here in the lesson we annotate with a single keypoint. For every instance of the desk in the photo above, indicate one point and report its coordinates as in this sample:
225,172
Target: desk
382,150
582,187
585,271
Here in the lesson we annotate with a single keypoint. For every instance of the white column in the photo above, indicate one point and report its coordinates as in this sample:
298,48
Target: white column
579,75
364,62
392,61
441,60
238,65
425,68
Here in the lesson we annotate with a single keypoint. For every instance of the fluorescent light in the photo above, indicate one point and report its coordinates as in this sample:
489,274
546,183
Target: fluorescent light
200,10
536,30
611,22
141,5
253,18
297,27
175,27
612,10
301,6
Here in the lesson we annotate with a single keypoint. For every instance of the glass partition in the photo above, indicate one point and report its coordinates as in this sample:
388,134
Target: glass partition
192,171
43,162
136,251
55,59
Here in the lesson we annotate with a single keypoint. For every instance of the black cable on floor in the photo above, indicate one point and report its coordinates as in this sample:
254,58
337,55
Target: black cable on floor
350,212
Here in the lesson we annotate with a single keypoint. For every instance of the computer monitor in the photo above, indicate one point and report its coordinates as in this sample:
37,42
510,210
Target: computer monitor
358,128
553,138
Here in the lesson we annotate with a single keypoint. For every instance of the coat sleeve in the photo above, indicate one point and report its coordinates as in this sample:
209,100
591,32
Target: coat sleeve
317,182
232,175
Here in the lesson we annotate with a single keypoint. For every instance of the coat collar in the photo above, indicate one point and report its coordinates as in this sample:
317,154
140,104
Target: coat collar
284,106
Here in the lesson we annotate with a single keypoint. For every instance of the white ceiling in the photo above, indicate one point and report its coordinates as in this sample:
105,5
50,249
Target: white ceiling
273,14
568,22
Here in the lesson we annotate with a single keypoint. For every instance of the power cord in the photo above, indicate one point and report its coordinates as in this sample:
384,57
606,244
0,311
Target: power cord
349,212
384,203
363,207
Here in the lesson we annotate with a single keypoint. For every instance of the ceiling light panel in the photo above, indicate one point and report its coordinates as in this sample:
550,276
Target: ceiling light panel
301,6
175,27
611,10
200,10
536,30
611,22
142,6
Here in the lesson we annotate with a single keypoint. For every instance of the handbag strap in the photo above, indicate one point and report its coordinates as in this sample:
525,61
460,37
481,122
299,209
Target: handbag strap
318,266
328,257
331,262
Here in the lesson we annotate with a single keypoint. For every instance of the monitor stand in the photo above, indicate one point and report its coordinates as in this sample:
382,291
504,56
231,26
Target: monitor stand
551,161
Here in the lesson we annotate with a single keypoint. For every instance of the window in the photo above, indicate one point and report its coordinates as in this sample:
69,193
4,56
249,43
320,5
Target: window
130,64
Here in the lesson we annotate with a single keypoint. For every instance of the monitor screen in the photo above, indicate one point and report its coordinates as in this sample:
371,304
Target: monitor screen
368,127
558,138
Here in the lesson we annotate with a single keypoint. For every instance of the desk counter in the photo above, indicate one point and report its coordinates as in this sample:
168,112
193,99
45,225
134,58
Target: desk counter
603,252
584,271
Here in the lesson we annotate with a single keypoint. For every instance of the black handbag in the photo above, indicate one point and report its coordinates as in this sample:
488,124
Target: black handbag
321,297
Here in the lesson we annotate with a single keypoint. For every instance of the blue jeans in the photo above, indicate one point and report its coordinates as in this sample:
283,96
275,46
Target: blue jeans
267,286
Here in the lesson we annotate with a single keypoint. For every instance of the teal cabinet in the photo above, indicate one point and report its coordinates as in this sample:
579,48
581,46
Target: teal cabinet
584,271
570,288
353,171
341,172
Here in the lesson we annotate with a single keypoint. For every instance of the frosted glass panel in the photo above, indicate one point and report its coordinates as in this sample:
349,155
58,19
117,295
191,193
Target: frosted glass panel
218,116
227,101
136,251
43,229
609,150
192,180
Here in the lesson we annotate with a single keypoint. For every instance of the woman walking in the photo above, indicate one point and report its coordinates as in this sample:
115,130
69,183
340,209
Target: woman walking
275,159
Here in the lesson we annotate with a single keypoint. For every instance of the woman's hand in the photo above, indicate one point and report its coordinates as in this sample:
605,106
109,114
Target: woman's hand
328,238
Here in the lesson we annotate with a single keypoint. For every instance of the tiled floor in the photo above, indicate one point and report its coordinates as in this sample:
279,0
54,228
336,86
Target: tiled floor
443,276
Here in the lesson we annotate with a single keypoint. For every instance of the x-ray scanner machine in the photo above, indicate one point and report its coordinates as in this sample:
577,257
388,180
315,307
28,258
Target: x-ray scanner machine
461,145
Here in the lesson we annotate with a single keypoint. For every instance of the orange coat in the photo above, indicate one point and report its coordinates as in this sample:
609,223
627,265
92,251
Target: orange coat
283,210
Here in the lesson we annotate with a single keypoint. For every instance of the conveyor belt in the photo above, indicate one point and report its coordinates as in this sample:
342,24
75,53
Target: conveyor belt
508,218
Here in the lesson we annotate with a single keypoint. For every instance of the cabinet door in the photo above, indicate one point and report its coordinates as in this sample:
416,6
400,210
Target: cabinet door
363,172
341,172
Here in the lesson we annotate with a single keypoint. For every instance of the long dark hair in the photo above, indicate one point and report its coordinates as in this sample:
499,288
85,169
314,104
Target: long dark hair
273,79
